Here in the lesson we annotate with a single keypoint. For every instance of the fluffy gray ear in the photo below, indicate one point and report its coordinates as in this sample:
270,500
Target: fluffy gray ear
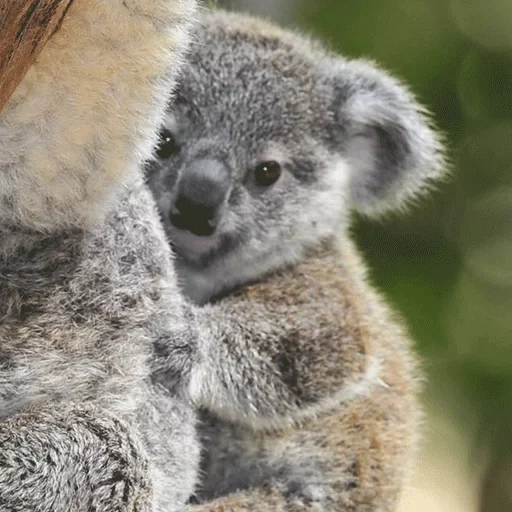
392,151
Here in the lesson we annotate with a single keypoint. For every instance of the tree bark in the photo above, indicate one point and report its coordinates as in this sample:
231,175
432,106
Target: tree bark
25,27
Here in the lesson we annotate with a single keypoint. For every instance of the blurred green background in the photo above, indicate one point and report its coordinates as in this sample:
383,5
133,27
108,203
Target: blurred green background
448,265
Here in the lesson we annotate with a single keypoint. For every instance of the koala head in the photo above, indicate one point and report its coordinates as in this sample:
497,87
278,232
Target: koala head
271,141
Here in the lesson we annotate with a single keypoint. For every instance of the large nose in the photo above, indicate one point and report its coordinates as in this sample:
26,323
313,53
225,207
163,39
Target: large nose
199,196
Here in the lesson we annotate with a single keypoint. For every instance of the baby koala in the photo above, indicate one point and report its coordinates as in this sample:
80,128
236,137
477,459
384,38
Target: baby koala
306,373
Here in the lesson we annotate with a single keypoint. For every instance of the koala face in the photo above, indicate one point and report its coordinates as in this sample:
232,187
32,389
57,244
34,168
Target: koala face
269,144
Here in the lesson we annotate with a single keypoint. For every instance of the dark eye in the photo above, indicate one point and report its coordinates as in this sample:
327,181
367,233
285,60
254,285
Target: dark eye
267,173
167,145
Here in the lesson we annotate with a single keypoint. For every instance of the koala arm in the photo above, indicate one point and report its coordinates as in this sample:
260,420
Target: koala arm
80,457
255,500
71,457
86,113
354,458
285,348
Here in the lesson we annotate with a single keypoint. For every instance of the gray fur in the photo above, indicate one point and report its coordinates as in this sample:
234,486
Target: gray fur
89,304
306,376
348,135
105,469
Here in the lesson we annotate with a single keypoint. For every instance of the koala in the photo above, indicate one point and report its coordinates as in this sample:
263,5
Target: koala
306,378
90,308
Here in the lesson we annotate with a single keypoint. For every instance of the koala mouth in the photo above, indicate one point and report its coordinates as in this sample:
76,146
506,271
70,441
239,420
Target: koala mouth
201,252
190,246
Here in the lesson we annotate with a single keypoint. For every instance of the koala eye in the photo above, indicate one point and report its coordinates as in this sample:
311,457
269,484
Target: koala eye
267,173
167,145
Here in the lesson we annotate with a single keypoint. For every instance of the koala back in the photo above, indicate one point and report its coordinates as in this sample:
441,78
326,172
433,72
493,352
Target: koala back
80,311
90,310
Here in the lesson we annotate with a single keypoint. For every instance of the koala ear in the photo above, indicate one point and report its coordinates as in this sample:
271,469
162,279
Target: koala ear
392,151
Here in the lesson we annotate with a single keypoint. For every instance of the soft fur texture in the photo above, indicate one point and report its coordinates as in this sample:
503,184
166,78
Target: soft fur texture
86,274
308,380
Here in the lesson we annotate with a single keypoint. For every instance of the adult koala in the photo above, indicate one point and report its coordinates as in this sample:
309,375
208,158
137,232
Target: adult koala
86,274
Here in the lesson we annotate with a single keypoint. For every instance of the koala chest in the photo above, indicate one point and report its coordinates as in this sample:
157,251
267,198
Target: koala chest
78,314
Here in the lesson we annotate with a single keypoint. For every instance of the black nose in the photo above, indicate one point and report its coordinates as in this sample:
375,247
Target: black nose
199,196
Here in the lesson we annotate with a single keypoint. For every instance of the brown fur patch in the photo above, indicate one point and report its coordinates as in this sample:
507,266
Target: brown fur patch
322,342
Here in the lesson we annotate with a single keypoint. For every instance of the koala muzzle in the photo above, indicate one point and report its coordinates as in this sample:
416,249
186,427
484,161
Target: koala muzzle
199,196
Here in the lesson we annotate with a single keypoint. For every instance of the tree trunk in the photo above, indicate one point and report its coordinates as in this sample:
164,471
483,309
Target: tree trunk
25,27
